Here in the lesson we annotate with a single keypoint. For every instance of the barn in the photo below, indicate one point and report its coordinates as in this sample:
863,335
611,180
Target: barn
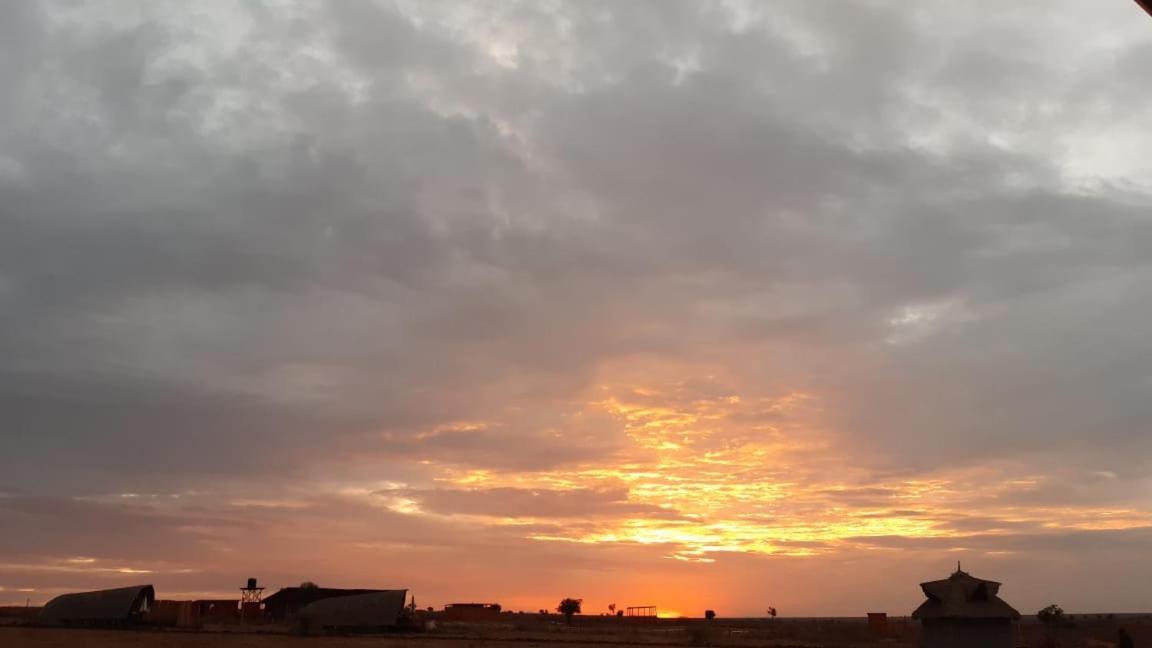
363,612
288,601
963,611
471,612
111,606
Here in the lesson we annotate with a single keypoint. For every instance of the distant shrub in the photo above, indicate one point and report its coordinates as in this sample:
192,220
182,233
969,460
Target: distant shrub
1051,616
569,607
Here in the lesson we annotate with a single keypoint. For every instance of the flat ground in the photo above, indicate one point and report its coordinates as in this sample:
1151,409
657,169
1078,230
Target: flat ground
83,638
36,637
1085,633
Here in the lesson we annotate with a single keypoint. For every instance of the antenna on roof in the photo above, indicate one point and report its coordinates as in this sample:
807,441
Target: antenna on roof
957,566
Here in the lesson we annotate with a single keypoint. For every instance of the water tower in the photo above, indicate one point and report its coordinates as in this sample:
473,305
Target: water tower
250,596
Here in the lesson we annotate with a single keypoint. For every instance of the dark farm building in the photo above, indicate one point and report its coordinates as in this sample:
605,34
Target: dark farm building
362,612
102,607
471,612
963,611
290,600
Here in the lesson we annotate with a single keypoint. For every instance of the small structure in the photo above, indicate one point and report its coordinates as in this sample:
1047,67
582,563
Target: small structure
250,595
163,613
963,611
363,612
251,592
111,606
218,608
474,612
640,611
188,615
290,600
878,623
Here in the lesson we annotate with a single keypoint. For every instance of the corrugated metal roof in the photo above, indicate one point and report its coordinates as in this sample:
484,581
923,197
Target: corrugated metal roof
963,596
120,604
289,600
379,609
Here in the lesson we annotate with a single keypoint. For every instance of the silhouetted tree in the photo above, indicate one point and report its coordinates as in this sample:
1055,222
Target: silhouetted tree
772,612
569,607
309,585
709,614
1053,615
1124,640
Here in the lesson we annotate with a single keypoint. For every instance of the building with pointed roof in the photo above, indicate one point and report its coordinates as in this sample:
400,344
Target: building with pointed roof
963,611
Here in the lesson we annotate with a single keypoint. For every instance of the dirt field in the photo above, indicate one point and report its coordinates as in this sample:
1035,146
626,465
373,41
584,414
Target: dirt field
34,637
76,638
595,633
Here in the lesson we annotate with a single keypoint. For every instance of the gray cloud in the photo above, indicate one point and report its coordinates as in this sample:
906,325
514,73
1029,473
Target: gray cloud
1126,543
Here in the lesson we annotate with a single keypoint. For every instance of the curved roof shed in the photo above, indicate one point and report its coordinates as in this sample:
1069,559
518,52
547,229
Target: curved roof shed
376,610
102,606
290,600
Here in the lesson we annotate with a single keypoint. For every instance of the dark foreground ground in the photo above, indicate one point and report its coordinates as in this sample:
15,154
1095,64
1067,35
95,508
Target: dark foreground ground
26,637
1086,633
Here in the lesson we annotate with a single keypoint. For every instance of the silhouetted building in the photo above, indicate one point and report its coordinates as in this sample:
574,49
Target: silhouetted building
111,606
878,623
184,614
471,612
218,608
289,600
964,612
192,614
363,612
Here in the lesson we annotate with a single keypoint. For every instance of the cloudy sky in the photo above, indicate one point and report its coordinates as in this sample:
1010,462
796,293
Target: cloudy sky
694,304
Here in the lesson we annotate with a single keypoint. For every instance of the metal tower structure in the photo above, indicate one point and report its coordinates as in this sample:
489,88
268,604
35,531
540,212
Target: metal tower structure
251,593
250,597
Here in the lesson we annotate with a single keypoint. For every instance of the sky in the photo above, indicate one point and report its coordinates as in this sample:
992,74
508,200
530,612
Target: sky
720,305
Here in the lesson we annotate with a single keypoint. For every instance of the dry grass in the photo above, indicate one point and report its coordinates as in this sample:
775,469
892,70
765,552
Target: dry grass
528,634
680,637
